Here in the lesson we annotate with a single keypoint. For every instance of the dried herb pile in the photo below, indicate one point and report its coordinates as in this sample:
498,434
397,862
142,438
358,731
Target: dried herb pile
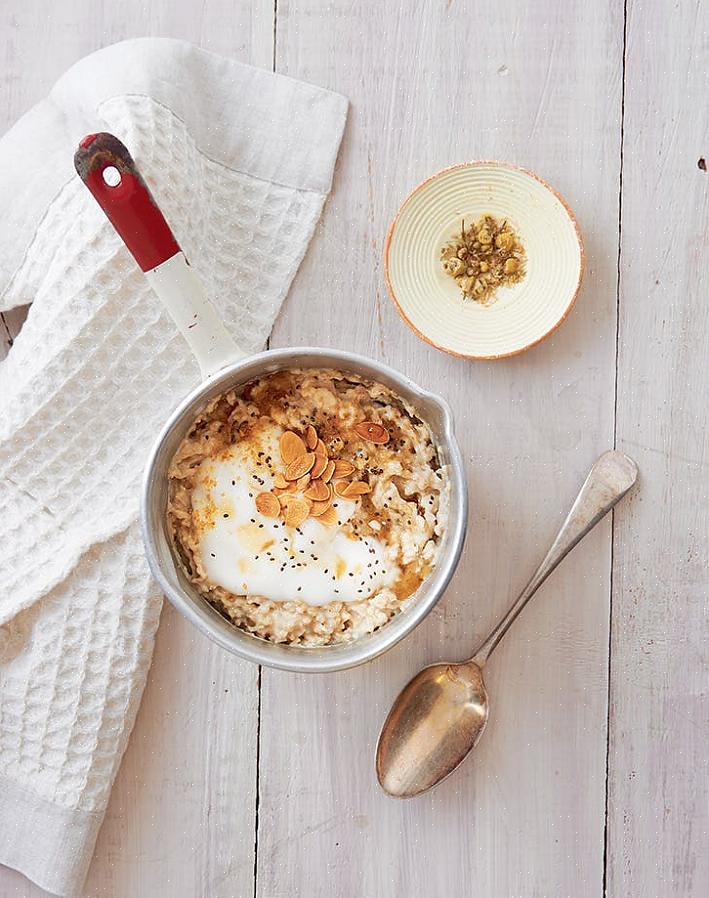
483,257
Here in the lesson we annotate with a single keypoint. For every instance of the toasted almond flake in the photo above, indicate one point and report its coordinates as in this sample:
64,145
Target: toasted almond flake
268,505
375,525
300,466
319,508
291,446
302,482
311,437
374,433
342,468
326,475
280,481
297,510
340,487
318,491
319,465
328,517
356,488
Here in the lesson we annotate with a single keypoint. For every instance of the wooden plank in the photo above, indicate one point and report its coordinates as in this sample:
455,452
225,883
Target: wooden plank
10,326
39,41
659,767
181,816
432,84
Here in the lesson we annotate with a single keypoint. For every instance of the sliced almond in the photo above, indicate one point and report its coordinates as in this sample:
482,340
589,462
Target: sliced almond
319,465
311,437
291,446
356,488
280,482
300,466
326,475
340,487
342,468
319,508
297,510
328,517
302,482
318,490
268,505
374,433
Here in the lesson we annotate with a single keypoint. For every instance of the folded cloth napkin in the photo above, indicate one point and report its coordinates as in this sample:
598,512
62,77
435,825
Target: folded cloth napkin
240,161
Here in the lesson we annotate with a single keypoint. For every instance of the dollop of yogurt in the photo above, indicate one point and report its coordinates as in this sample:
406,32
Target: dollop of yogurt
248,553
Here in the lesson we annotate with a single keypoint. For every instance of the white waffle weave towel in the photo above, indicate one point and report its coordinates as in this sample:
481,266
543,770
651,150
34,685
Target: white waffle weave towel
240,161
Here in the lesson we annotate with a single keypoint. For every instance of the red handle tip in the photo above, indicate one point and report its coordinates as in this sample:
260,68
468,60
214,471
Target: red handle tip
87,141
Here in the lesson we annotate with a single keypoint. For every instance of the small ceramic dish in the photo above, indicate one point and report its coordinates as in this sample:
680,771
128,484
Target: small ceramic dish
519,316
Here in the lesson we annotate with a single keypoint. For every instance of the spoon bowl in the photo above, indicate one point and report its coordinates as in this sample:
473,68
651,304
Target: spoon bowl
436,721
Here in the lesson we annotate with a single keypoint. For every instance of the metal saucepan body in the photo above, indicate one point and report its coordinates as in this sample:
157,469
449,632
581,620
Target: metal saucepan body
166,567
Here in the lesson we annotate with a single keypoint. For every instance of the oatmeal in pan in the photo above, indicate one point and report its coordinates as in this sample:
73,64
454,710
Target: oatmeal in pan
308,505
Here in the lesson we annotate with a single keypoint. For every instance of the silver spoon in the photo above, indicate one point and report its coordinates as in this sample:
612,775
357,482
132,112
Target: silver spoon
441,714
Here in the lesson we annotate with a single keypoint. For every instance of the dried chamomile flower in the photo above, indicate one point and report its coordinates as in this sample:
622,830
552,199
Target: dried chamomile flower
484,256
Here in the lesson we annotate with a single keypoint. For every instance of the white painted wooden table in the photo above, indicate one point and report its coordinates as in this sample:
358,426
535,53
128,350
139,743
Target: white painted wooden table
592,777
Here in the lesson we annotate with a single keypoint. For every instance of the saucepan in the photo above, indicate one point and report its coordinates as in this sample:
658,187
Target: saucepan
107,169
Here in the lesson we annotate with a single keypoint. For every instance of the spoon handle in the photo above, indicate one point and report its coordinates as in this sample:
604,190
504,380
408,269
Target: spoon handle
608,481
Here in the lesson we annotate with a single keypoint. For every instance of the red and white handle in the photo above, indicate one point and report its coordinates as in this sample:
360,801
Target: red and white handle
107,168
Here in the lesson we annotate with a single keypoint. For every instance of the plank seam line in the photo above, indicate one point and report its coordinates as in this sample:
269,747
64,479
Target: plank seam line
7,337
258,778
615,442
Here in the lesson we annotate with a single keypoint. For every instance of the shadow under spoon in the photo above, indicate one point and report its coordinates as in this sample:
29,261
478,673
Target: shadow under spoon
441,714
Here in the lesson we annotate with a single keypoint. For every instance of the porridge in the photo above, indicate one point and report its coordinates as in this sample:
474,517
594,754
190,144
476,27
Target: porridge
308,505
